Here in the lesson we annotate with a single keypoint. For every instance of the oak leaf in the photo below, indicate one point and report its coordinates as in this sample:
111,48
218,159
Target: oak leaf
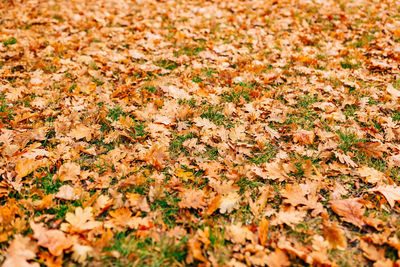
263,231
334,235
157,157
66,192
81,131
303,137
373,149
192,199
371,252
229,202
289,217
238,234
81,252
371,175
350,209
390,192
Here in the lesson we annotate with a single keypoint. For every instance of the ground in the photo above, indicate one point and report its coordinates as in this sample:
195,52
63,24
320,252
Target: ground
210,133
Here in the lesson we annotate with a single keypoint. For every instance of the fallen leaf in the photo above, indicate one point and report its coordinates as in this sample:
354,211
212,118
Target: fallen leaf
20,251
391,193
82,220
334,235
371,175
192,199
69,171
263,231
26,166
54,240
350,209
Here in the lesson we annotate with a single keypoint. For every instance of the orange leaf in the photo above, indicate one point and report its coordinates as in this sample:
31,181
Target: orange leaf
214,205
263,230
350,209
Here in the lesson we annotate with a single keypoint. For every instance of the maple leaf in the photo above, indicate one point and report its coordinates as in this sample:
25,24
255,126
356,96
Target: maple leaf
391,193
54,240
82,220
21,250
350,209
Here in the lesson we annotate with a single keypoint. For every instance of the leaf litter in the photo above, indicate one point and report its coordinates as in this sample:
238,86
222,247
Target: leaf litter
210,133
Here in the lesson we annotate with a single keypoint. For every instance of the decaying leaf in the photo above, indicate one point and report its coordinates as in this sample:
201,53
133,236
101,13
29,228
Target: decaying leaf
351,210
391,193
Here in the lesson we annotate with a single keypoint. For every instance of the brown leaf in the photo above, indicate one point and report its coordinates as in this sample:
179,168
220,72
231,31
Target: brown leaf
350,209
69,172
20,251
303,137
238,234
371,175
192,199
289,217
214,205
334,235
371,252
54,240
157,157
66,192
391,193
373,149
26,166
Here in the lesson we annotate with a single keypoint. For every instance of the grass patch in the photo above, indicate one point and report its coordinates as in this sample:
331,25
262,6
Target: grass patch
146,251
215,115
10,41
167,64
348,141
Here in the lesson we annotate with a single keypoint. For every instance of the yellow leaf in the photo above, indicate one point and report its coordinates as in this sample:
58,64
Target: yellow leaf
184,175
26,166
